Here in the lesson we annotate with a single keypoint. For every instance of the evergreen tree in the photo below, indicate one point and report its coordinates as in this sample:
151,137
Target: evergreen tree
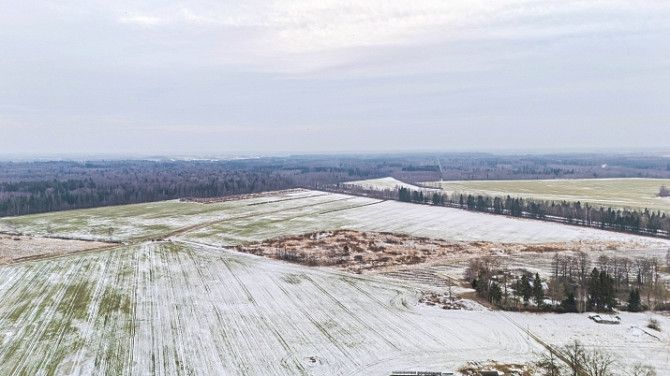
538,292
601,290
594,289
524,288
570,304
607,298
634,301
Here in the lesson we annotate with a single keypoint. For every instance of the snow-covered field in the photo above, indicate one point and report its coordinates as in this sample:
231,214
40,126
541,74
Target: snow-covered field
176,309
155,219
385,183
412,219
17,248
188,306
240,221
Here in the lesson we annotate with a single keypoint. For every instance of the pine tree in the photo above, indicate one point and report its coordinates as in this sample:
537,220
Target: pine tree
538,292
594,288
634,301
570,304
525,289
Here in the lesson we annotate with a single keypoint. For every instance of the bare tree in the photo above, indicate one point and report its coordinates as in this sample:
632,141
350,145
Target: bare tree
603,263
598,362
639,369
550,364
574,355
625,269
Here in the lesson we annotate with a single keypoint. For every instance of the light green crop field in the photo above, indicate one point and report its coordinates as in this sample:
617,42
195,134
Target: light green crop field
151,220
617,193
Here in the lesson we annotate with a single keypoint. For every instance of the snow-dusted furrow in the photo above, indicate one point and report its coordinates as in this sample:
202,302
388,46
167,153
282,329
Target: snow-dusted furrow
178,309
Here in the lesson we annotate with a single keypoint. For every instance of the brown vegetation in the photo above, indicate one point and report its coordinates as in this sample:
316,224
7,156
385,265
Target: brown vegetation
360,252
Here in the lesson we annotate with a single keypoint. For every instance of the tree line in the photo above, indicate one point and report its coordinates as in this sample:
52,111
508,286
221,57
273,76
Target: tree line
118,183
641,222
576,283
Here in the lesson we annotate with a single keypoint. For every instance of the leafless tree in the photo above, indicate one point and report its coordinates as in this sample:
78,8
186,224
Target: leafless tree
603,263
574,354
598,362
550,364
639,369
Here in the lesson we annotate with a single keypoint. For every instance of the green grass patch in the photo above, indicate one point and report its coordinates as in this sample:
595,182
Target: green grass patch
616,193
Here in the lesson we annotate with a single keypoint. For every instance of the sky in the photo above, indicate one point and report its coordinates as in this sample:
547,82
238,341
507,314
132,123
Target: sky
223,77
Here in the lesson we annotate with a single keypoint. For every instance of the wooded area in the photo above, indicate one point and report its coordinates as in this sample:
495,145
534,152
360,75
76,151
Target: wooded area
43,186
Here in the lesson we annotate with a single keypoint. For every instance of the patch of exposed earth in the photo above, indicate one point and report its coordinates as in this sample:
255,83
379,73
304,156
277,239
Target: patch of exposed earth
19,248
380,252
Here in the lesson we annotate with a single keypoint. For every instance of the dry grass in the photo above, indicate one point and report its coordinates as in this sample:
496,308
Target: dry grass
361,252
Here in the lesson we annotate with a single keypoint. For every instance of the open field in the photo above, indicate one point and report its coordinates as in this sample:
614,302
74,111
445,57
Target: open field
188,304
617,193
151,220
362,214
382,184
14,248
176,309
237,222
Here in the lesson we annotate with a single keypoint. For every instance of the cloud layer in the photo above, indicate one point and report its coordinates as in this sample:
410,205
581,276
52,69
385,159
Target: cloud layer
333,75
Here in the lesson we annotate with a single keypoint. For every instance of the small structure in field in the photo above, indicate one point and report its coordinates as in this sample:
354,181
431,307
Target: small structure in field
490,373
605,319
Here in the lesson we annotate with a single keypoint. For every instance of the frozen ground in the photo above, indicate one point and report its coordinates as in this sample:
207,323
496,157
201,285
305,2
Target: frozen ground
154,219
15,248
385,183
240,221
419,220
177,309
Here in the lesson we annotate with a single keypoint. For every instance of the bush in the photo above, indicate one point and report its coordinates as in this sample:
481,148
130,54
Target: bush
654,324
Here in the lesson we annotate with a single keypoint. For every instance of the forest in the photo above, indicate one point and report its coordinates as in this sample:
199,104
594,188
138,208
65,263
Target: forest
28,187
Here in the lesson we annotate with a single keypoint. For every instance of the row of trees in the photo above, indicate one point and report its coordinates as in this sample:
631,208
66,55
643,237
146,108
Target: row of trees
574,284
621,277
575,359
644,222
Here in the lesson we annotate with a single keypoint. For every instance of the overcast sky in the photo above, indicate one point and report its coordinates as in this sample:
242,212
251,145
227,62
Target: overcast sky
230,77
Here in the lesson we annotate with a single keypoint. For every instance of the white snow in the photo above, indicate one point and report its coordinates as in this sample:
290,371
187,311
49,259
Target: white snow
386,183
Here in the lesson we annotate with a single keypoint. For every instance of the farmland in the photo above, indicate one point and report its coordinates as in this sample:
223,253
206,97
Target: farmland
382,184
628,193
177,298
166,308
